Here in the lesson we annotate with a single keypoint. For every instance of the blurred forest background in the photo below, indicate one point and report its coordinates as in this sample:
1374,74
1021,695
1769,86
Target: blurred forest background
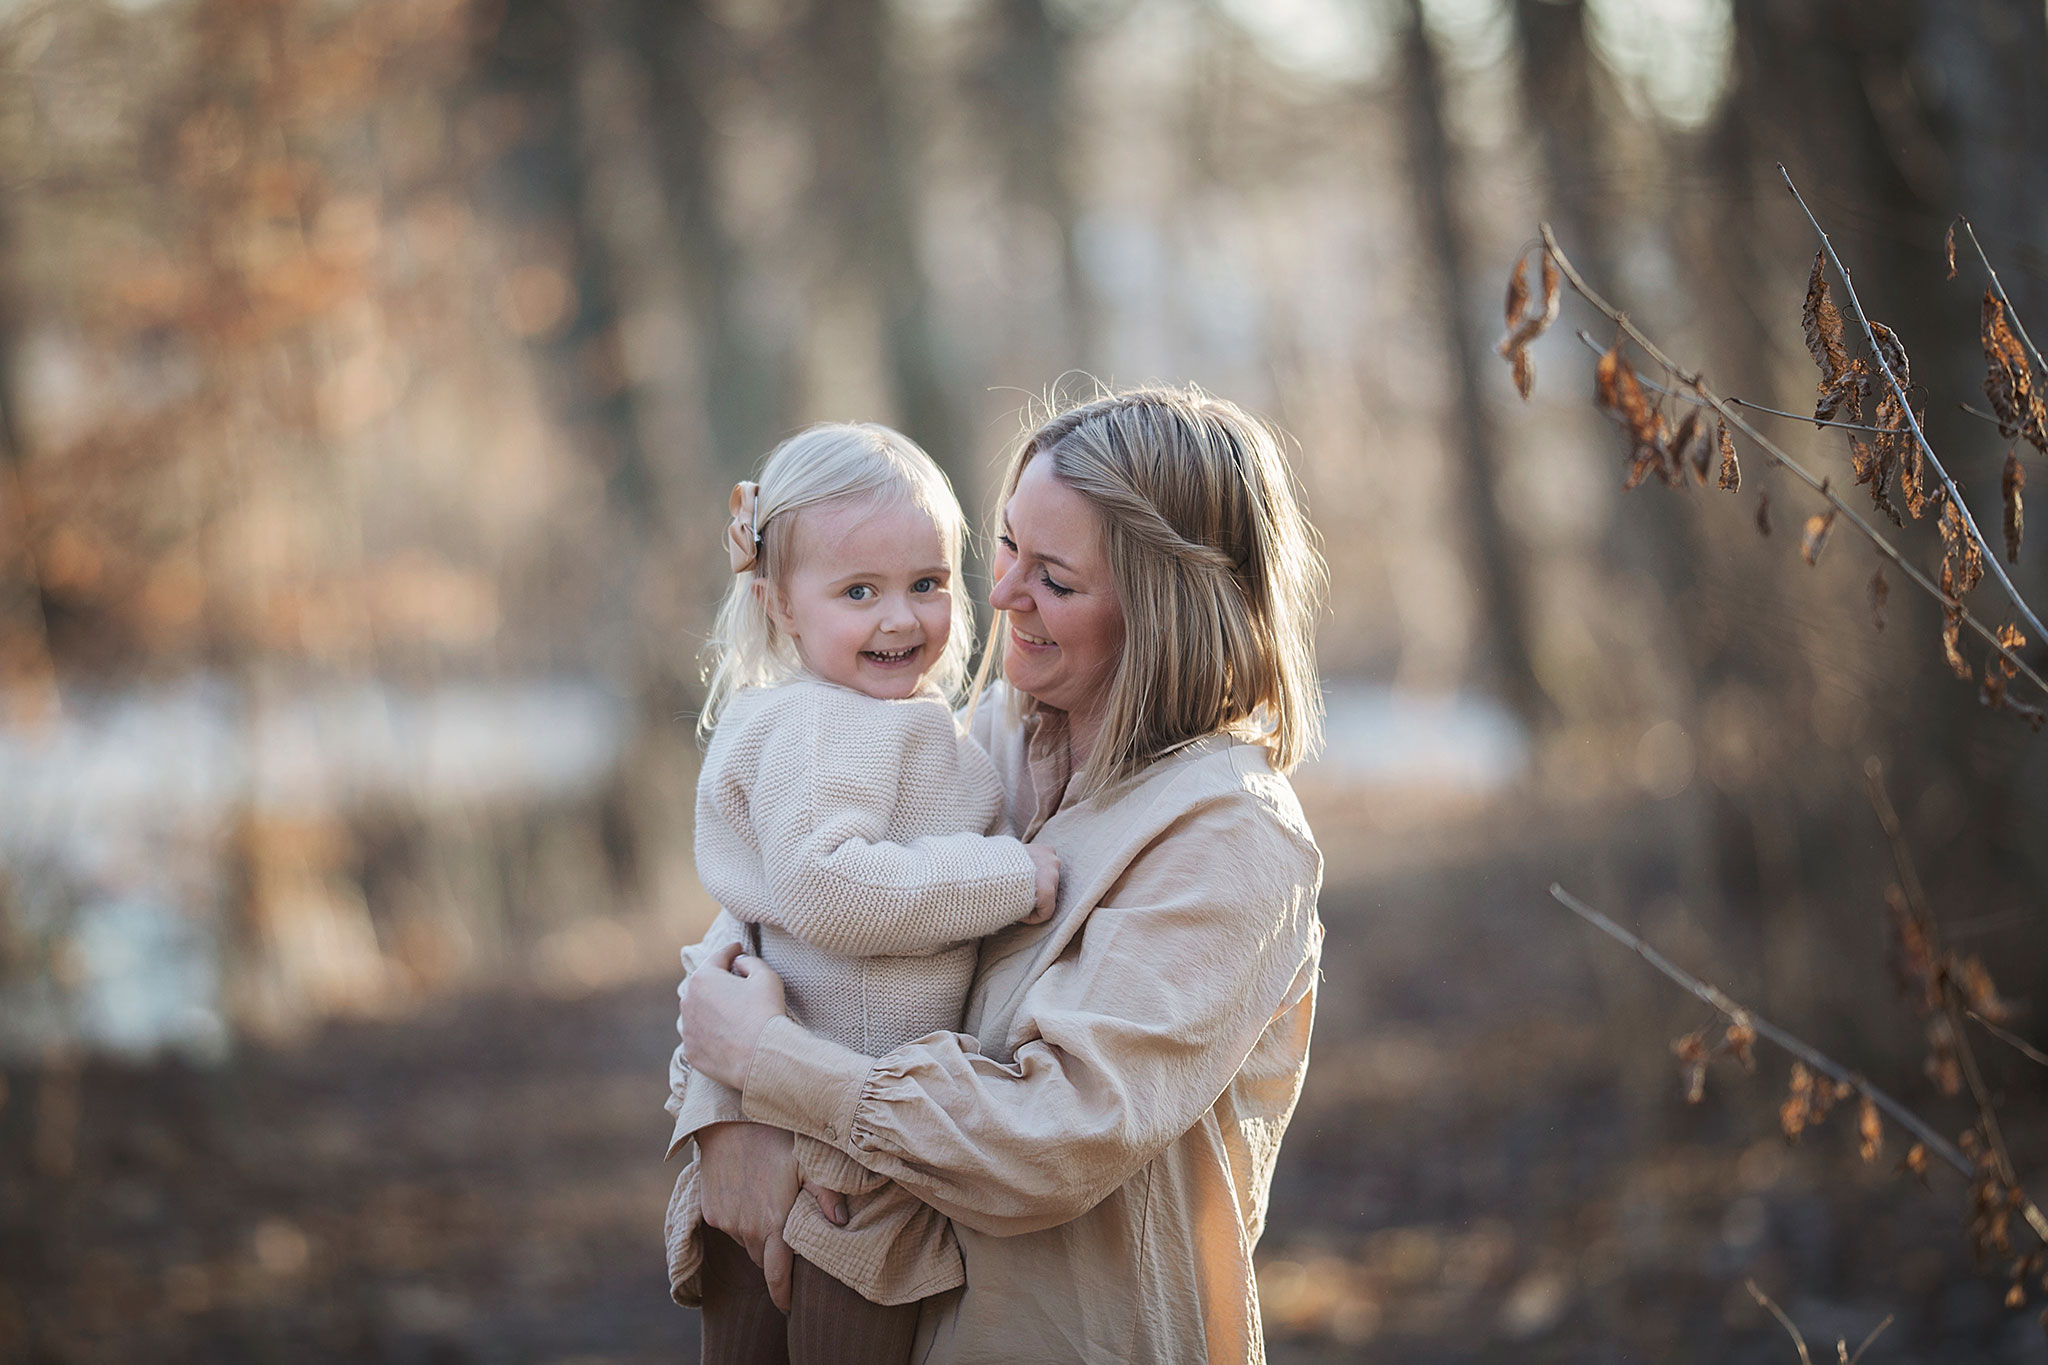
372,374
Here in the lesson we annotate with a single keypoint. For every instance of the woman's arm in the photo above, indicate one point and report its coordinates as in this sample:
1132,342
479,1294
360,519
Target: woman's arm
1128,1038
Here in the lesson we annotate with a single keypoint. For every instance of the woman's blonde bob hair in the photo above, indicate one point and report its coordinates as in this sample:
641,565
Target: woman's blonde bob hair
1214,564
829,462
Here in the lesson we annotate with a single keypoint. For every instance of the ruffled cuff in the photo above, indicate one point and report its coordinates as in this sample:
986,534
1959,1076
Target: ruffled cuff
805,1083
698,1101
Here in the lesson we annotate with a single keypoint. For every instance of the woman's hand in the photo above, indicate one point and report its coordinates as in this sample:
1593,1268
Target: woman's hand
723,1006
747,1181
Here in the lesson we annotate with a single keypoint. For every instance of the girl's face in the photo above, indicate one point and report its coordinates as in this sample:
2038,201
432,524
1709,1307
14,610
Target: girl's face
1052,577
869,599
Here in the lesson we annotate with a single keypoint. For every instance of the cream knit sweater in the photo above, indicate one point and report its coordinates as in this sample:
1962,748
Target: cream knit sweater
854,833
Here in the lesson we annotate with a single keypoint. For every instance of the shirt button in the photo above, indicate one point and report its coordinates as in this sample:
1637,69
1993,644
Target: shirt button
831,1132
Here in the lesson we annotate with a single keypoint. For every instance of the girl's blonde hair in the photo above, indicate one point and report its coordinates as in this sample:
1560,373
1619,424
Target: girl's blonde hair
829,462
1214,564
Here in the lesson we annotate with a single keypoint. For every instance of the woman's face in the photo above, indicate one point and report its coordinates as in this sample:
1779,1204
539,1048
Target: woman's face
1052,577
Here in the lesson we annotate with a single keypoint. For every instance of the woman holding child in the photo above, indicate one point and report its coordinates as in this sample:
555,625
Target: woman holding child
1100,1122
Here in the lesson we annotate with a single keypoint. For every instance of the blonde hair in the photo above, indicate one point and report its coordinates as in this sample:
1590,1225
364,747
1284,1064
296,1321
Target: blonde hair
1214,564
826,463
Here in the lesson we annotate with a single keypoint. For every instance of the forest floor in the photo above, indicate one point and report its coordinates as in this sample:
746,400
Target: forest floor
1491,1162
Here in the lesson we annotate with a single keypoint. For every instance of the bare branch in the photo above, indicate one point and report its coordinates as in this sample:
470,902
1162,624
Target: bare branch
1804,1051
1952,1002
1697,401
1727,412
2010,1039
1875,1333
1783,1321
2011,313
1802,417
1913,423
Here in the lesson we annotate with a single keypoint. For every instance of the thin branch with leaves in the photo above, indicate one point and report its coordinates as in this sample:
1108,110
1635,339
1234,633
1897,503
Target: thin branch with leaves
1555,259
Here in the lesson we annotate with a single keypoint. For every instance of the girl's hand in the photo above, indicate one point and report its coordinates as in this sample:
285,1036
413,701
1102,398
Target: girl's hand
747,1181
724,1005
1046,864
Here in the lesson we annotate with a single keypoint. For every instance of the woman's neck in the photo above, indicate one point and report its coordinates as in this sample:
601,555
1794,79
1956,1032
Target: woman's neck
1082,732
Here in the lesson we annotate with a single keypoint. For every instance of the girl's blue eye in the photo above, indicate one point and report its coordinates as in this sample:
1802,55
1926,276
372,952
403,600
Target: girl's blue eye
1057,589
925,585
860,592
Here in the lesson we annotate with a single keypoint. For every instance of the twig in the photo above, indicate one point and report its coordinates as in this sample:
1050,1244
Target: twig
2012,314
1802,417
2010,1039
1777,453
1783,1321
1899,392
1875,1333
1697,401
1804,1051
1951,997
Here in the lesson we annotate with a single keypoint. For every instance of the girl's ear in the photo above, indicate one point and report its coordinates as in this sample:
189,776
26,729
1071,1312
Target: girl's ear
776,605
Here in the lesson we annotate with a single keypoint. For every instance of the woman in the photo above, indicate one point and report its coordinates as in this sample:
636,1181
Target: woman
1103,1132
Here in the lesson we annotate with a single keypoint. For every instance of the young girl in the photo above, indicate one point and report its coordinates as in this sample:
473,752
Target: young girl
856,835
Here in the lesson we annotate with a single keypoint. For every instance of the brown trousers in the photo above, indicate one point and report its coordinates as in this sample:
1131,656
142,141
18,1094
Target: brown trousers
827,1323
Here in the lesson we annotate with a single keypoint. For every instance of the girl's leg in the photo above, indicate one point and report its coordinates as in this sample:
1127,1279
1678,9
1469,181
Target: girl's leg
742,1325
829,1323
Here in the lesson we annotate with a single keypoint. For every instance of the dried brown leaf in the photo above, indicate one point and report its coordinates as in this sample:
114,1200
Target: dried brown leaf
1822,323
2011,637
1943,1066
1688,447
1962,565
1692,1054
1518,295
1973,979
1607,375
2010,383
1525,326
1915,1161
1763,514
1869,1130
1797,1110
1892,352
2011,485
1740,1041
1815,538
1880,593
1731,468
1948,245
1951,640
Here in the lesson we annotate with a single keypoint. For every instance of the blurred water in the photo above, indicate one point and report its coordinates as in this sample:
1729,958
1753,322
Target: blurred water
1380,736
113,818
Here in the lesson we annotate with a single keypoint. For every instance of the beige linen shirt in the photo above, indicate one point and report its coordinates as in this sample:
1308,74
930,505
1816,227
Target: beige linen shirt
1104,1131
850,832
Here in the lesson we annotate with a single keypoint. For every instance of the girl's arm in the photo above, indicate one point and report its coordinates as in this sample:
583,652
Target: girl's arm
821,805
1206,948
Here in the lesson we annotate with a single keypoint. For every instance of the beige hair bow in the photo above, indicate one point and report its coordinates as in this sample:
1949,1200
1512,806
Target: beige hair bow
743,536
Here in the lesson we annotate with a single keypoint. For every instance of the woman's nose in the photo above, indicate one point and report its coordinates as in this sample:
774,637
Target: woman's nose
1006,593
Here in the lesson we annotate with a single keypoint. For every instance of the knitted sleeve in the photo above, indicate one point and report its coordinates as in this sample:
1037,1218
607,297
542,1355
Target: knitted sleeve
829,777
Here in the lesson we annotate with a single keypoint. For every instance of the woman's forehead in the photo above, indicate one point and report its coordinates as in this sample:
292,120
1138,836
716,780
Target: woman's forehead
1059,521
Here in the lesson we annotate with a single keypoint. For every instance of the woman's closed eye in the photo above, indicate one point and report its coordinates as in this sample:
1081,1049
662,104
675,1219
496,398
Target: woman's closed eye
1057,589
